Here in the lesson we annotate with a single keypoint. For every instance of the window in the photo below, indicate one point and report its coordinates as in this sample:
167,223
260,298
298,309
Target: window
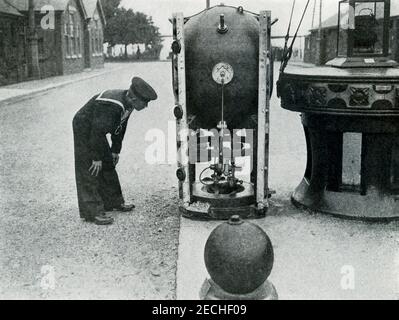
78,47
2,45
66,26
72,33
100,41
13,34
21,48
96,38
93,40
41,47
66,36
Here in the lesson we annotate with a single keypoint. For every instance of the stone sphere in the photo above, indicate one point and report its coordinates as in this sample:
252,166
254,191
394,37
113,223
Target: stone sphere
239,256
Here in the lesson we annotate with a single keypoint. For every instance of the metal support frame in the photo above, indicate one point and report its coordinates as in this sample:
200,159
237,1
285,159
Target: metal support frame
262,187
182,129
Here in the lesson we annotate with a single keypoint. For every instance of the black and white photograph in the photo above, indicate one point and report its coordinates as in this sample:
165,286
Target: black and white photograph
199,150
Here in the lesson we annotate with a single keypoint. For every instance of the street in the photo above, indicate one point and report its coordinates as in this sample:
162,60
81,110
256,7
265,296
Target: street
42,237
47,252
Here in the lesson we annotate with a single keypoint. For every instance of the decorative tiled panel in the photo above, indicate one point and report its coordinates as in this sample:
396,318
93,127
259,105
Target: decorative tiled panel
346,97
317,96
289,94
337,88
359,97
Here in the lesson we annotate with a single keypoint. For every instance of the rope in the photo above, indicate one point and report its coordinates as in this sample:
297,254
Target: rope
287,55
289,25
287,37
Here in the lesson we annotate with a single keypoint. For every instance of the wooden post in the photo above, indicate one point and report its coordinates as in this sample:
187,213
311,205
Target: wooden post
182,129
33,57
262,188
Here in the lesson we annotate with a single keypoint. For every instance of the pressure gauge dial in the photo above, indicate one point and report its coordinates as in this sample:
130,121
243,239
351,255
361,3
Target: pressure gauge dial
223,73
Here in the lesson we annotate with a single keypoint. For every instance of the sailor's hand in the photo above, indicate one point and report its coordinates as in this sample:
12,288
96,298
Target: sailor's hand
115,158
96,168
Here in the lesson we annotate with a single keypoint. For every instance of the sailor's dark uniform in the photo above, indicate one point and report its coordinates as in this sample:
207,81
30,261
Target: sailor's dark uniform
100,116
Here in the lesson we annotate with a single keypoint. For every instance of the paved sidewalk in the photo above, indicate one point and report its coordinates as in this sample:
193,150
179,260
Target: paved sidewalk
25,90
41,233
313,253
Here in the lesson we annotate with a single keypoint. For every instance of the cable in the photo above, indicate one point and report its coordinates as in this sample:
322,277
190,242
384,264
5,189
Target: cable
287,37
288,54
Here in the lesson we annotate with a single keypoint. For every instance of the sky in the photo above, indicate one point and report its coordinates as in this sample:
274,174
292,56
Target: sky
162,10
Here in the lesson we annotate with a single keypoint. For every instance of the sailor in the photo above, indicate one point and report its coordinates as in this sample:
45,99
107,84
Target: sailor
97,181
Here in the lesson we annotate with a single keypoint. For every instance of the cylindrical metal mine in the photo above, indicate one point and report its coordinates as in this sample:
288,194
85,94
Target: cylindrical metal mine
229,35
222,82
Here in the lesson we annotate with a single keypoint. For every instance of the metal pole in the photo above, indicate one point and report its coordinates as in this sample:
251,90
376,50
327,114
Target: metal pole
262,186
33,58
319,37
300,48
314,13
208,4
182,127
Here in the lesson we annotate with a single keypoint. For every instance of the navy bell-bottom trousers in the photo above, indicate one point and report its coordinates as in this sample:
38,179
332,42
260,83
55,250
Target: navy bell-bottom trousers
95,194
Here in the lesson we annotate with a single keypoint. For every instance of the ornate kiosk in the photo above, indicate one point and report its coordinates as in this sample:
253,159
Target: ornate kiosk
350,113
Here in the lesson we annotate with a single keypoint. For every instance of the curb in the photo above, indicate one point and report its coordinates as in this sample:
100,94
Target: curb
42,90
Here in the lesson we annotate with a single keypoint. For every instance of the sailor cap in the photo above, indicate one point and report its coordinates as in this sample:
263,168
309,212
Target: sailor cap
143,90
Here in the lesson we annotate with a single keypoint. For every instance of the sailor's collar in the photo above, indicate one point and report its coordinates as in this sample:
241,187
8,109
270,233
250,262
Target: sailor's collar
114,101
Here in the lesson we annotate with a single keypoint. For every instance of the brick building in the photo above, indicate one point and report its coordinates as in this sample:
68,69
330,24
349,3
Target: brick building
328,46
94,30
12,44
69,35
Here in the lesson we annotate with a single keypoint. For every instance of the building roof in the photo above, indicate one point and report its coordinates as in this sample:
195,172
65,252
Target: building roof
58,5
15,7
332,22
23,5
6,8
91,6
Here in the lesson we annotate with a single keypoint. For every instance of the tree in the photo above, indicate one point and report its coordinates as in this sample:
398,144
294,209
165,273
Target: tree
111,10
113,32
153,40
110,7
128,27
